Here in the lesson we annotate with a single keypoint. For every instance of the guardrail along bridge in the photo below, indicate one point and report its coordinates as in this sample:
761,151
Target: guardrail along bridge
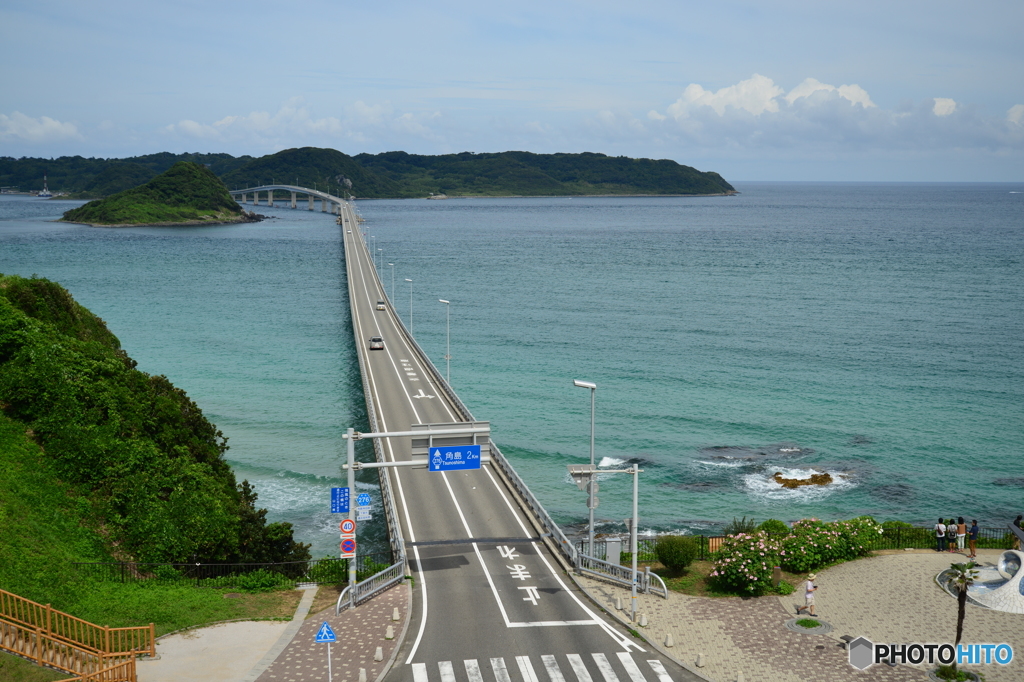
493,601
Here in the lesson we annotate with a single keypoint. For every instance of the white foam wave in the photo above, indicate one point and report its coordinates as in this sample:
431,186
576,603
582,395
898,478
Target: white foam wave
610,462
727,463
761,485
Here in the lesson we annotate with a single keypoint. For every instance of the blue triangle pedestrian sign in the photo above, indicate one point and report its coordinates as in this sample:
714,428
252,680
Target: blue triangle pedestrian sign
325,635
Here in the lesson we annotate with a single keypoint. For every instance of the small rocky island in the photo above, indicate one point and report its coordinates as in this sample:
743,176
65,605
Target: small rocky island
815,479
186,194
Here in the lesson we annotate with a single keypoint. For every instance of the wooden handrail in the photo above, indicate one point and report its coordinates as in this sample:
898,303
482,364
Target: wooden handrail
65,628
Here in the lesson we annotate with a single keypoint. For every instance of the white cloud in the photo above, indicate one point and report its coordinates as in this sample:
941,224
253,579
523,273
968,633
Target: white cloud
1016,114
755,95
853,93
20,127
943,106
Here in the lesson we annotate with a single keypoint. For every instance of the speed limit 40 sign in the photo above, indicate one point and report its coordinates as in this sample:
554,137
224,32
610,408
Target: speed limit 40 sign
348,526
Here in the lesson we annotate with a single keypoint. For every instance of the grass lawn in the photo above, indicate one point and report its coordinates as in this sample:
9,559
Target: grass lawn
17,669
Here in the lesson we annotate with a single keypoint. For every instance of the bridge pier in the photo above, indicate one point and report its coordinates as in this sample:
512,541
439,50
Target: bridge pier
293,199
323,205
310,197
270,197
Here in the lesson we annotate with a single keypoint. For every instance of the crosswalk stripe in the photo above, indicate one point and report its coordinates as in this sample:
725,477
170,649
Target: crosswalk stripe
473,670
631,667
419,672
554,672
526,668
500,671
576,661
605,667
447,671
659,670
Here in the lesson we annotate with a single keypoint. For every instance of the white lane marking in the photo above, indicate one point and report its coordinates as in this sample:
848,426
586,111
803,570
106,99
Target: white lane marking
401,490
473,670
551,665
526,668
419,672
500,671
605,667
552,623
576,661
631,667
620,639
659,670
447,671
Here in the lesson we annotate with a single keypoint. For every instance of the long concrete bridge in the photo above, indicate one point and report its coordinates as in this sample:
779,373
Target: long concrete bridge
328,202
494,600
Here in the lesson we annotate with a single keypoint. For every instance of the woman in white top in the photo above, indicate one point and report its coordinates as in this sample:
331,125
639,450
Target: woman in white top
940,535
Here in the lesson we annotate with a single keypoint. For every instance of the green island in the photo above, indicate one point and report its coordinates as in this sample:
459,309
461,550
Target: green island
389,175
102,462
186,194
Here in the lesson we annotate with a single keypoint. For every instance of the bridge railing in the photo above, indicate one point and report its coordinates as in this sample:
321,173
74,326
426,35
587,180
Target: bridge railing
567,549
387,494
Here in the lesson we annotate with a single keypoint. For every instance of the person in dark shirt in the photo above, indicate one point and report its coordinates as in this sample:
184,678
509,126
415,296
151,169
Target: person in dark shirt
973,542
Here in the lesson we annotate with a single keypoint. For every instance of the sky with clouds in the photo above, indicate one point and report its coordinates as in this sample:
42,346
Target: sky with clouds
756,90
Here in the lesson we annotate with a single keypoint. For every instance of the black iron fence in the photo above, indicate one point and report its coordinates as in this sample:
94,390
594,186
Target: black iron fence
915,537
253,576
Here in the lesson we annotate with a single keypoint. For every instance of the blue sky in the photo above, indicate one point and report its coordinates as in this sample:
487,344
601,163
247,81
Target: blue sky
769,90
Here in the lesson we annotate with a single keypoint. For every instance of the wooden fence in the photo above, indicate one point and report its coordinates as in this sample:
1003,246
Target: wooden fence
59,640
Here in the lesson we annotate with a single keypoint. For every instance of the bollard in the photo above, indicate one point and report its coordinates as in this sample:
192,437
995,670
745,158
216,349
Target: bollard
739,676
643,620
668,641
362,675
618,603
394,615
700,660
389,633
776,576
378,655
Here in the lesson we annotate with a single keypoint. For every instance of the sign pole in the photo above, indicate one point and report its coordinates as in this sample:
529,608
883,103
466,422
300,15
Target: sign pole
329,675
351,511
633,548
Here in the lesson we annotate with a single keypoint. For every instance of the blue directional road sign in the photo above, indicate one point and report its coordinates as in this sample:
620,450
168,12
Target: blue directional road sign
454,458
363,500
339,500
325,635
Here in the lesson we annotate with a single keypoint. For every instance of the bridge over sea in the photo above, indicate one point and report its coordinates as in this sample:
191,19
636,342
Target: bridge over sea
328,202
494,600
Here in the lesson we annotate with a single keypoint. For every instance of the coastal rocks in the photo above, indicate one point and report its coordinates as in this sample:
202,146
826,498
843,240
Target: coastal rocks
252,216
815,479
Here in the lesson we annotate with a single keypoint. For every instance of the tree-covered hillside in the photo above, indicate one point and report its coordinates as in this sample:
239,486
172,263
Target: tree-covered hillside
123,454
386,175
188,192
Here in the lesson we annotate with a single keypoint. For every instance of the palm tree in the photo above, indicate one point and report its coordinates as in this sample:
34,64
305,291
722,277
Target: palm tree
963,577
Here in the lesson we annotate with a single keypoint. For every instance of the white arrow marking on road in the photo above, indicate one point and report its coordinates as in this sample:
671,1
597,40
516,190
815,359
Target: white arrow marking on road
423,395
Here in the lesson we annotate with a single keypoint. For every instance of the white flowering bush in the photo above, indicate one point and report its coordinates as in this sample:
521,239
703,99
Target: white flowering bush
814,543
744,563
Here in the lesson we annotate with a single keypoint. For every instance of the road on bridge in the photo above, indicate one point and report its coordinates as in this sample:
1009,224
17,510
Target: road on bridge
491,603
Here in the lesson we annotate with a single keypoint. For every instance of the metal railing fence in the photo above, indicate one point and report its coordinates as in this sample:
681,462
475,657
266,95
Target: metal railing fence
354,595
325,571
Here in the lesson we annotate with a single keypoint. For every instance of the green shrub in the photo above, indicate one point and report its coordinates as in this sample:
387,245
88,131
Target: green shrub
808,623
773,526
740,526
261,580
328,571
676,552
784,588
369,569
744,563
814,544
167,572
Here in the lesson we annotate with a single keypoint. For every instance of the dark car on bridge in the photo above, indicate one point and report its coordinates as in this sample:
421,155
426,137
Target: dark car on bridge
376,343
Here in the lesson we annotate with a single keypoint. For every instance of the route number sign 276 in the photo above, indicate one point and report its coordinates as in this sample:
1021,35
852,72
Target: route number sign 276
454,458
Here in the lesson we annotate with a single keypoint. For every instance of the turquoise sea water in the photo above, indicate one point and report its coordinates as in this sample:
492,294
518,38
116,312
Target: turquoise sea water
874,331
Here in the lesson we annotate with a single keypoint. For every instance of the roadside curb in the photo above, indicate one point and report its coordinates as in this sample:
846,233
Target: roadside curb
400,640
631,626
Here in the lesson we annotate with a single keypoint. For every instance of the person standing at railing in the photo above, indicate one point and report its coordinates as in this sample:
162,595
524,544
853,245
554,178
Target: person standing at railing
961,533
974,539
940,535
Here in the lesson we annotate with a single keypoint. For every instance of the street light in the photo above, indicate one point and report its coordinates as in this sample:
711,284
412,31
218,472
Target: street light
590,503
410,303
448,353
392,283
381,252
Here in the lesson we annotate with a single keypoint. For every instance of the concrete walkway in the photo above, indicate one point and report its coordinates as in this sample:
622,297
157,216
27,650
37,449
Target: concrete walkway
890,598
283,651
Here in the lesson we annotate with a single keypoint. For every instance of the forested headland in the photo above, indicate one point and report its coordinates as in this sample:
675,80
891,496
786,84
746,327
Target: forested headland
382,176
100,461
187,193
